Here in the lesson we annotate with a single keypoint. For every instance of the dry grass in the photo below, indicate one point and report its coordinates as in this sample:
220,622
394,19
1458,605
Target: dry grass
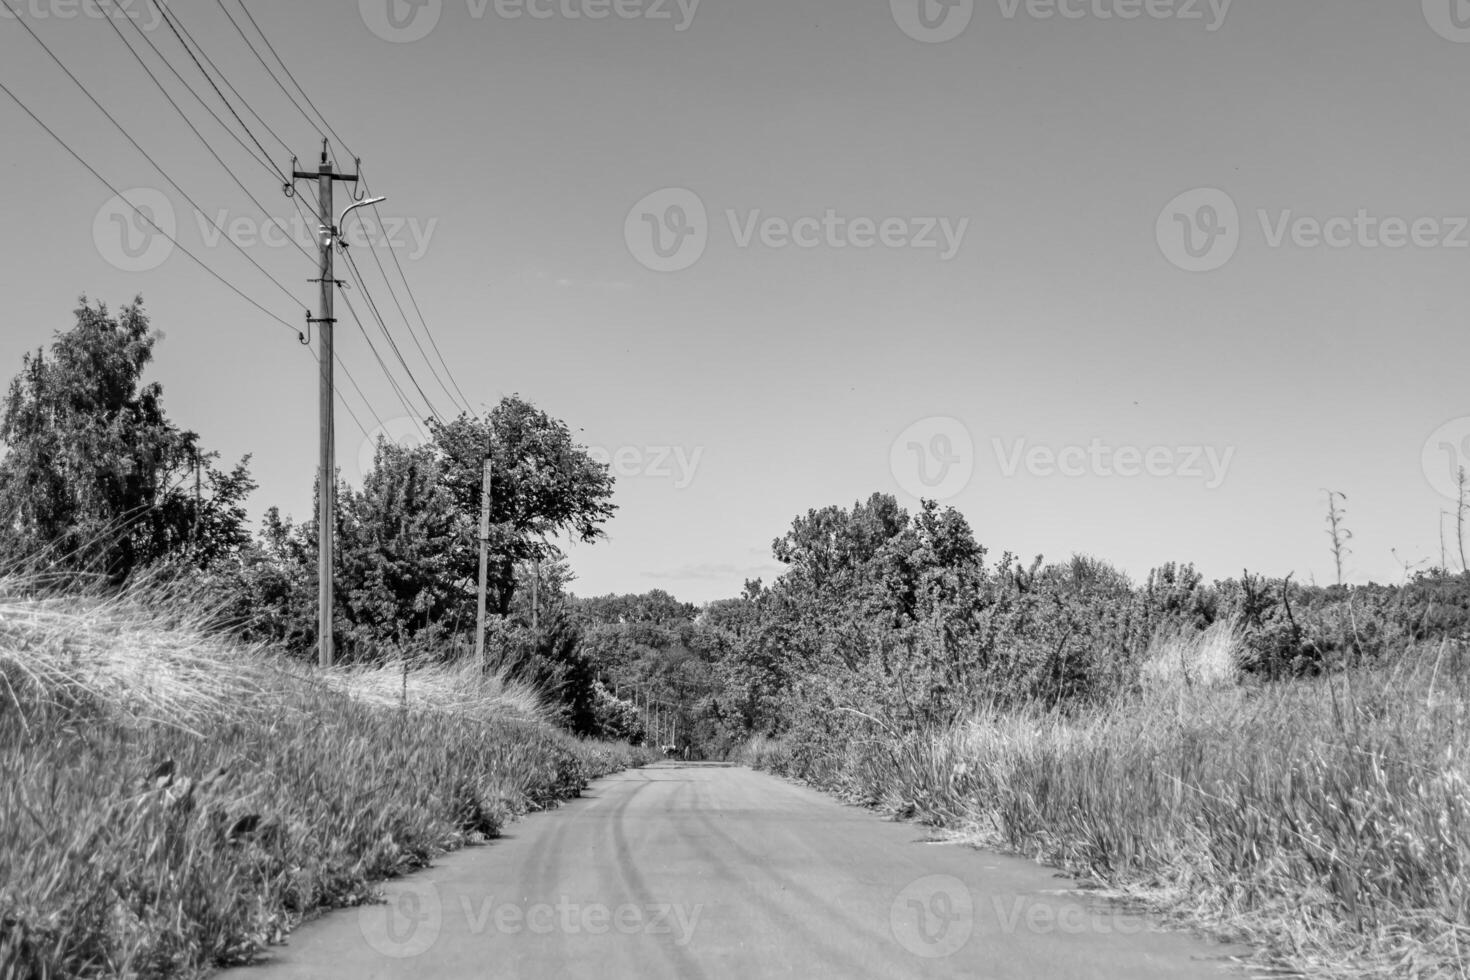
1182,657
456,689
114,657
169,802
1326,822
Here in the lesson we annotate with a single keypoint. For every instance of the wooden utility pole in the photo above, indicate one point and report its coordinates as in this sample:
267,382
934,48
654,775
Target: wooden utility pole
485,500
536,600
198,504
327,473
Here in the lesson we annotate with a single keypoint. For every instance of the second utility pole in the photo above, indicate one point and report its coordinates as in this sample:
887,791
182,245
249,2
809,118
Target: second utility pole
327,479
485,502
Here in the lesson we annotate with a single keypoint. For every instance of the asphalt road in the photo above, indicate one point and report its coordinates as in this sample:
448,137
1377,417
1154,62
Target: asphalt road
704,872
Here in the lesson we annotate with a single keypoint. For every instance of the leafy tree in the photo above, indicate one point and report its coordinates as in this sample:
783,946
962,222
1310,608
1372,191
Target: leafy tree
96,477
408,550
396,537
656,607
544,485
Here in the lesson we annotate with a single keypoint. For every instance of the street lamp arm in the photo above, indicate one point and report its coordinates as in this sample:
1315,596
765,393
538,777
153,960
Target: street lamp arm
342,221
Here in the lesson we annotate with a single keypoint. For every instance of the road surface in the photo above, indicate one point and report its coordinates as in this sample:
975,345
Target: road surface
695,872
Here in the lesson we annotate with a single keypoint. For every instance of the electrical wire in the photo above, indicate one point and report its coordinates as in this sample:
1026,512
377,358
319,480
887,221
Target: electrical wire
212,152
172,183
264,161
106,183
408,409
224,9
411,332
383,325
175,25
457,396
292,77
358,388
414,302
352,414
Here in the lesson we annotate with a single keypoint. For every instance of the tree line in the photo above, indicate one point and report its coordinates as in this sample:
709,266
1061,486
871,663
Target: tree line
881,616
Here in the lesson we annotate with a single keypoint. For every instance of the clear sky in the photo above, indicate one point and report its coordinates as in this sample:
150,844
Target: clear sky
1221,248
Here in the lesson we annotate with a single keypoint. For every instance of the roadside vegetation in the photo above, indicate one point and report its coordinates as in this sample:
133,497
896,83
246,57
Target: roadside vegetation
172,801
1279,764
179,784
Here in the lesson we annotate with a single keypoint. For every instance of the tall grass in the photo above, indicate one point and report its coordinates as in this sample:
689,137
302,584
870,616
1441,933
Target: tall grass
170,801
1327,821
1182,657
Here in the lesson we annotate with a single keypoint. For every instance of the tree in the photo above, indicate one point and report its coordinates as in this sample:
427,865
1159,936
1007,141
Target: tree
96,477
396,537
408,548
544,485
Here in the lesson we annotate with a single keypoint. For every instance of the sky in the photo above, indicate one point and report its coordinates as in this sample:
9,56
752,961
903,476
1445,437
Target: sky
1141,279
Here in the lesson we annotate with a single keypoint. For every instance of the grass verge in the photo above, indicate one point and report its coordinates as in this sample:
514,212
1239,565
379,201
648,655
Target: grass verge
170,803
1326,822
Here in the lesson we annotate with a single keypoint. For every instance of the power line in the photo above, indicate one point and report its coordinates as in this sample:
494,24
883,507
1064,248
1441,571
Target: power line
292,77
177,108
358,388
341,398
224,8
195,130
167,19
413,300
411,333
457,396
254,155
459,401
408,409
172,183
383,325
263,162
366,401
176,25
106,183
175,241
